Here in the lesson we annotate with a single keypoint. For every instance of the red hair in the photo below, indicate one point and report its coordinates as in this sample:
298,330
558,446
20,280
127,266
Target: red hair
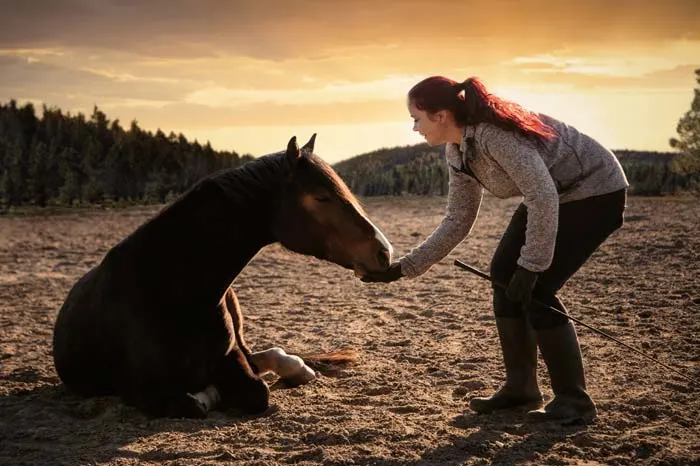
477,105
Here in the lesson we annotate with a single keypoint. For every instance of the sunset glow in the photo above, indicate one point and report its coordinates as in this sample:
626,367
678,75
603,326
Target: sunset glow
248,75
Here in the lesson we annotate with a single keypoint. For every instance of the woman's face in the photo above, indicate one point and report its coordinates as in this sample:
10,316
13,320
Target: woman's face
430,125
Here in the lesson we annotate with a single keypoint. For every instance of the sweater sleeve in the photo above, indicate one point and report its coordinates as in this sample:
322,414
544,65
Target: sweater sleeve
524,165
463,202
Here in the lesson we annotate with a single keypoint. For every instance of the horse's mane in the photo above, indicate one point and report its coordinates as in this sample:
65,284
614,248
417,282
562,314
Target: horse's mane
255,180
263,177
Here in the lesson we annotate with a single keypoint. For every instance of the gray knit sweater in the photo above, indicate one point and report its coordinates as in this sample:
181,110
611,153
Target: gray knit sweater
571,167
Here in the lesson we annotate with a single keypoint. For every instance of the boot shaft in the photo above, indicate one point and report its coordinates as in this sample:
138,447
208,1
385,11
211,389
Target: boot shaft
562,355
519,349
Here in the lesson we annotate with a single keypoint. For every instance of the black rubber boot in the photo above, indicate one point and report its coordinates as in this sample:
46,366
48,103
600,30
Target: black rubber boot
562,355
520,359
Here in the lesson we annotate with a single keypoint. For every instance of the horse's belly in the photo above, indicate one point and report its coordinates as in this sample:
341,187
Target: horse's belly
107,340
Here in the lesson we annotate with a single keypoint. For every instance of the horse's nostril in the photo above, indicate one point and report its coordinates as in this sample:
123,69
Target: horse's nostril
383,257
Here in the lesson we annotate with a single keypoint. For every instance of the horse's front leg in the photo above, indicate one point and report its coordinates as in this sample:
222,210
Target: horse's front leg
165,402
239,386
234,382
289,367
233,308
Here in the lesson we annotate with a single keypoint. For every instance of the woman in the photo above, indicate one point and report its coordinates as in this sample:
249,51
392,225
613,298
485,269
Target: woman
574,193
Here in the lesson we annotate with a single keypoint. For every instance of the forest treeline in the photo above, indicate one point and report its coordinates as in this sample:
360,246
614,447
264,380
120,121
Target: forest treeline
62,159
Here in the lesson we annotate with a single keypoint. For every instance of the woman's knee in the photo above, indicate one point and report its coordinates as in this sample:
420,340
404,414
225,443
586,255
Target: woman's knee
543,317
502,269
504,307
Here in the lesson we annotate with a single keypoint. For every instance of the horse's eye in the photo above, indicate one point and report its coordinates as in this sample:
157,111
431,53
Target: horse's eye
322,198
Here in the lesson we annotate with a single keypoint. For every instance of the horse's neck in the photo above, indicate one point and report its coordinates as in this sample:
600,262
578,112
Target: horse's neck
205,238
249,198
236,224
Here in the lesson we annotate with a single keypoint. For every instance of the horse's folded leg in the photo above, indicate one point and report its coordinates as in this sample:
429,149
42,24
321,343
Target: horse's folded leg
239,387
167,403
302,378
293,370
290,368
252,396
266,361
188,406
209,397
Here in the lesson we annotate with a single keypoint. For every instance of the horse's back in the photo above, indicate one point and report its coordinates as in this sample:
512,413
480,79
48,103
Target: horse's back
89,329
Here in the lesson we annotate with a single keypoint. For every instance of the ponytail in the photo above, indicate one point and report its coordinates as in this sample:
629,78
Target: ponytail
471,103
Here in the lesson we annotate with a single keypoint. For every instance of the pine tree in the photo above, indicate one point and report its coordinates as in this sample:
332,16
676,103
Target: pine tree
688,142
38,180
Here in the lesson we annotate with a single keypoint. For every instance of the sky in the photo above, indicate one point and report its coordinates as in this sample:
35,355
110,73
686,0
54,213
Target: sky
246,75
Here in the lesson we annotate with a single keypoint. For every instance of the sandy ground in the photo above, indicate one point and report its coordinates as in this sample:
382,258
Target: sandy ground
425,347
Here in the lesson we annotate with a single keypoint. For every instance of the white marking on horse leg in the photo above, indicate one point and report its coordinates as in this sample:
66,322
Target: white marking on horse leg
287,366
267,360
293,369
209,397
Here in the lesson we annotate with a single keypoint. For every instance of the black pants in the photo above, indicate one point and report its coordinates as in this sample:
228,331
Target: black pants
583,226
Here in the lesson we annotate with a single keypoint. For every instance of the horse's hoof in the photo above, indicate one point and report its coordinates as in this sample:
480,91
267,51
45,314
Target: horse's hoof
302,377
208,398
289,365
188,406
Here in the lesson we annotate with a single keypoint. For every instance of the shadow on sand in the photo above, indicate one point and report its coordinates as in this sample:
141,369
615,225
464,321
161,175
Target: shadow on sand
492,438
48,425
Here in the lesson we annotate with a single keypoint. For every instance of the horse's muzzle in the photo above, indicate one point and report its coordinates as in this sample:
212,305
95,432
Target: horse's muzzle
384,258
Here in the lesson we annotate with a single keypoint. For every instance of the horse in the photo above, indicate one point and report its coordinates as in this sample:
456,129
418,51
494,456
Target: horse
157,321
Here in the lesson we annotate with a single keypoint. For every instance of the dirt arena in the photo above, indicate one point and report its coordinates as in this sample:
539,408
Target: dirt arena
425,347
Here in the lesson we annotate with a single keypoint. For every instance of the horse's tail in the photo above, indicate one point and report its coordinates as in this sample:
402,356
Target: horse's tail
331,363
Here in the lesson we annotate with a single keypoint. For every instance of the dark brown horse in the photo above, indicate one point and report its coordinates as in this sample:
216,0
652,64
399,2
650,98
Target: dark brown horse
157,322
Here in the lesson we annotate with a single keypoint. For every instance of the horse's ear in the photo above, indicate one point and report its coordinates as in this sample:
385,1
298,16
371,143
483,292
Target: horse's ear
293,153
309,146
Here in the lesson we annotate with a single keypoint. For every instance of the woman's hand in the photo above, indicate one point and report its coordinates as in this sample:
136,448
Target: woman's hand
392,274
521,285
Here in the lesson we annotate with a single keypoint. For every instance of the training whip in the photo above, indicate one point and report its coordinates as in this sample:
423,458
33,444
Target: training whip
481,274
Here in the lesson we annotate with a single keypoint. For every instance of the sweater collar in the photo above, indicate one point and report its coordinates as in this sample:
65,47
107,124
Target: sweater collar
465,147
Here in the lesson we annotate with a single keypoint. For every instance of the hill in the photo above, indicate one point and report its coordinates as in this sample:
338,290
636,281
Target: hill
394,171
420,170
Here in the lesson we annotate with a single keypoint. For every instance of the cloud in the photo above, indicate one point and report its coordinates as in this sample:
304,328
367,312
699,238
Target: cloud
278,30
29,78
203,64
591,73
188,115
162,51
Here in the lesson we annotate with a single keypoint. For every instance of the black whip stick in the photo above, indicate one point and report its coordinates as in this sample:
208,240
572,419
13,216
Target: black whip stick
483,275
